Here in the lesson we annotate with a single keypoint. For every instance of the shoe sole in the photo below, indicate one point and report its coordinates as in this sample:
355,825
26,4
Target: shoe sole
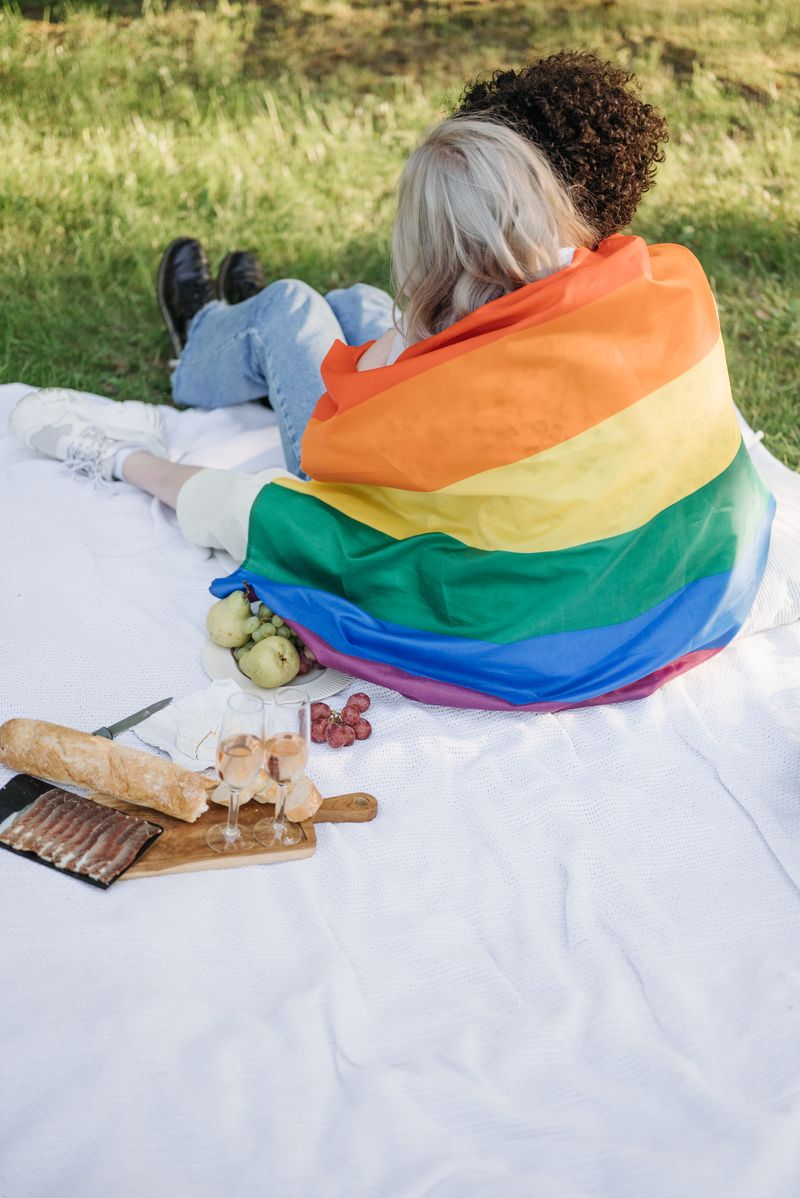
166,257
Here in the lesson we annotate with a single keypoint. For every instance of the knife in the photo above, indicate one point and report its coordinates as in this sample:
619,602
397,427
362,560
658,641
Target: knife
132,720
23,788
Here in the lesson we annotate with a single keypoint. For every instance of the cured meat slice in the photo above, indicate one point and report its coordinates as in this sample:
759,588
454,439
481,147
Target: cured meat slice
27,819
117,846
103,848
81,842
78,835
133,845
37,833
126,849
45,837
74,829
29,825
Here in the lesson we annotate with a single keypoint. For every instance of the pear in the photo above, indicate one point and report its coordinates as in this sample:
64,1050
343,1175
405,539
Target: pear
230,622
272,662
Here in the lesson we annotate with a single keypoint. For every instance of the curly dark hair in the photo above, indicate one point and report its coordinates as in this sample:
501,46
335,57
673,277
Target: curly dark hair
588,118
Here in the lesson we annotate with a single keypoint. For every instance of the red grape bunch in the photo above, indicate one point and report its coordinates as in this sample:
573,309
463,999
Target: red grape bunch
341,728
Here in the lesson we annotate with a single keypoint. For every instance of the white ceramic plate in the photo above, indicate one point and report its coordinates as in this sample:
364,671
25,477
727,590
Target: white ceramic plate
318,684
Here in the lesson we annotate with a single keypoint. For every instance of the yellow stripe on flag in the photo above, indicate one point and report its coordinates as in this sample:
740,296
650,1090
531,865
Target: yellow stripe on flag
641,461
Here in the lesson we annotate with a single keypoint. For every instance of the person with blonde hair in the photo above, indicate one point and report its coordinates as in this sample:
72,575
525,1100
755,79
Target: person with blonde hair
480,213
499,506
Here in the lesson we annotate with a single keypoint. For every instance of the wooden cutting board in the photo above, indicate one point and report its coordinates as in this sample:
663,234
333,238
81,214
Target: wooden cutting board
182,848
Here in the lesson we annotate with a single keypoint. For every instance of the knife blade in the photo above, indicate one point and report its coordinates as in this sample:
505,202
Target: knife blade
24,788
132,720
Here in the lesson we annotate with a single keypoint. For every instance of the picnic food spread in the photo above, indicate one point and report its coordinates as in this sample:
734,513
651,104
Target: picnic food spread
78,835
102,839
66,755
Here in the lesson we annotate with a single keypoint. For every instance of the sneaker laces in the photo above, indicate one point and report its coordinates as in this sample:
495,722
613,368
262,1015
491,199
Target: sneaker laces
85,456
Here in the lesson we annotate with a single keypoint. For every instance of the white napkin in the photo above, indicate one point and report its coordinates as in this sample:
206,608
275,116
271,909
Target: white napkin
189,727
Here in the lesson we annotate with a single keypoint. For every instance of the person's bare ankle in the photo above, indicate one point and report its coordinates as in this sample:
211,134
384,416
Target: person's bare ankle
123,458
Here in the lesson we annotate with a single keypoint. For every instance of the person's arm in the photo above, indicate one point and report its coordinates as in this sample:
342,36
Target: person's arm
378,352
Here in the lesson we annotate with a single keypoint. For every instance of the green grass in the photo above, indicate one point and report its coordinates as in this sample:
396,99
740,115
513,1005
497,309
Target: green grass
283,126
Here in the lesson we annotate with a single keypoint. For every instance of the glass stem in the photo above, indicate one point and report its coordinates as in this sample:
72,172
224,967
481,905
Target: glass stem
232,826
278,824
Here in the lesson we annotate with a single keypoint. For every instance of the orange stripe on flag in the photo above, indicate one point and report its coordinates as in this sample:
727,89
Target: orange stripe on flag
617,260
505,397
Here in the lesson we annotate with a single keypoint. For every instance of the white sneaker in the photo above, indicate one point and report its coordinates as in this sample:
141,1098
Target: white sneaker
86,432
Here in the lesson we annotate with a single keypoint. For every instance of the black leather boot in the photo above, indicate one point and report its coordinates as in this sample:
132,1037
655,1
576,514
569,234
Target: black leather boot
240,277
184,286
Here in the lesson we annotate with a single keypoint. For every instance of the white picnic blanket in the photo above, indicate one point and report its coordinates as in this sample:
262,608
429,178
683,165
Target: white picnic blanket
564,962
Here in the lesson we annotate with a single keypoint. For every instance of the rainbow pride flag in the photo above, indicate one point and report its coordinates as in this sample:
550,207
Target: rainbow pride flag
549,504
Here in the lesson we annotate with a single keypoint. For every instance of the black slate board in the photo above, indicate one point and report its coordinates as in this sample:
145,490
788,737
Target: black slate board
21,791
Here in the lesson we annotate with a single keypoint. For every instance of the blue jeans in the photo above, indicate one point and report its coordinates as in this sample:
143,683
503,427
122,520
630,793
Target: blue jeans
274,344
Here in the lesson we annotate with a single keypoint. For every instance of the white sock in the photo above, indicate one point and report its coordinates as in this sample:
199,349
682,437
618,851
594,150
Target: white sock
119,460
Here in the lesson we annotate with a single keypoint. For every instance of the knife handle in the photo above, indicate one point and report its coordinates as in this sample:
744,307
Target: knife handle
106,732
357,808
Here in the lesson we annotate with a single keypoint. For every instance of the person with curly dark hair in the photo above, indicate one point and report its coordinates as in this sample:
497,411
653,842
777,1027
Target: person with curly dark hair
589,119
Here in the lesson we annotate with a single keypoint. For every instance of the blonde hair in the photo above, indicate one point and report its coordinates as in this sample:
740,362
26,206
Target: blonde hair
480,213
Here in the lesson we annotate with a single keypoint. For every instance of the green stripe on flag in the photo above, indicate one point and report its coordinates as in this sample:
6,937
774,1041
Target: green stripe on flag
435,583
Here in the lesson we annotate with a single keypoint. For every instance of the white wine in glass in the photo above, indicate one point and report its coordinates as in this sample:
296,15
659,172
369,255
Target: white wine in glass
240,753
285,757
235,758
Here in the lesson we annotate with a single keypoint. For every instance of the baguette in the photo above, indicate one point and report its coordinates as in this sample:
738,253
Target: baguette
65,755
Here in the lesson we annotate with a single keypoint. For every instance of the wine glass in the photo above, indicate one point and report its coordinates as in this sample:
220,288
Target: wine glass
285,757
240,752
